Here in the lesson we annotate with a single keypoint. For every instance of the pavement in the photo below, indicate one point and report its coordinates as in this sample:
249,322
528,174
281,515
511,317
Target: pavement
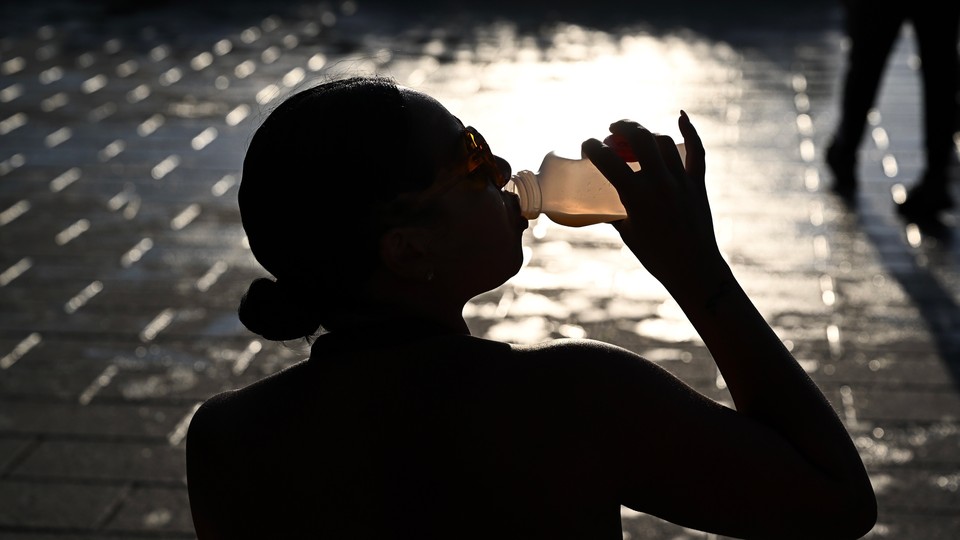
122,259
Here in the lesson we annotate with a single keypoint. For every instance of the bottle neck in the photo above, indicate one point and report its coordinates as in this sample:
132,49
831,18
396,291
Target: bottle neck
525,185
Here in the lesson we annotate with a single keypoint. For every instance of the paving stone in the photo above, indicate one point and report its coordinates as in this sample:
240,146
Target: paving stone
932,491
73,460
63,380
895,524
884,369
65,536
165,510
55,505
911,445
122,256
638,526
10,451
907,405
108,420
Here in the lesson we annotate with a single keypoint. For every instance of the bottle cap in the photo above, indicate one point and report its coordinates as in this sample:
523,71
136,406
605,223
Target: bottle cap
524,185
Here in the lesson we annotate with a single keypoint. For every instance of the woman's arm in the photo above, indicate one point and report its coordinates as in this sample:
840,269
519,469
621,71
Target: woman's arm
784,452
204,464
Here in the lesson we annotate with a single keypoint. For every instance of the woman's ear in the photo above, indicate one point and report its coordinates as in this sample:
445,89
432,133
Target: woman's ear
406,252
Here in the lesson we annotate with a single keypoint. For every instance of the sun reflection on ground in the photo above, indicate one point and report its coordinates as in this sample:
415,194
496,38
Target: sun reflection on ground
534,96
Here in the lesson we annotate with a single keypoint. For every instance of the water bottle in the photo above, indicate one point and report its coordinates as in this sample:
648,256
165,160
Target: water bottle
573,192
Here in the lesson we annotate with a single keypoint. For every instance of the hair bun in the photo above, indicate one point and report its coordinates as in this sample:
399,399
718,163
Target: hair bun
277,312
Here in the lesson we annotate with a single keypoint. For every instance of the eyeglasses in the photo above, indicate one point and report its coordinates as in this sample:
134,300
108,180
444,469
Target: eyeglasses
475,164
480,158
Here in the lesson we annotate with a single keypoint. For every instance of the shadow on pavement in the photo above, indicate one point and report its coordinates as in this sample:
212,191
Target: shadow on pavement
913,262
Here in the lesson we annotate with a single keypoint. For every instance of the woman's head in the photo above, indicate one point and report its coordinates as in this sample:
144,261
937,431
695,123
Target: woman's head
333,171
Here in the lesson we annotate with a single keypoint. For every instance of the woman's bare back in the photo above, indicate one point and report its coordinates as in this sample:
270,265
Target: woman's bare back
448,435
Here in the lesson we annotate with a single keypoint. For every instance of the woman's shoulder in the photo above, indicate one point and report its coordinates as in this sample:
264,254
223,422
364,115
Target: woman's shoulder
565,350
211,415
573,346
445,359
552,347
222,411
599,355
570,362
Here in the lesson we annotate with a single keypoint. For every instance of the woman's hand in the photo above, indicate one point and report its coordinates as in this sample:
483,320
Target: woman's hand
669,225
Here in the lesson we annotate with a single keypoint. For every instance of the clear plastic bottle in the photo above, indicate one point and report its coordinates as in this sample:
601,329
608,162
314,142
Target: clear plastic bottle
571,192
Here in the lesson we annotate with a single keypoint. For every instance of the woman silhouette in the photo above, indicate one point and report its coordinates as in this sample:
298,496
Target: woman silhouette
380,215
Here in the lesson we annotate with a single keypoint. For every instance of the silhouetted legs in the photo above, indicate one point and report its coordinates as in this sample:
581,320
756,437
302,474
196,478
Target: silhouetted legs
873,27
936,32
872,31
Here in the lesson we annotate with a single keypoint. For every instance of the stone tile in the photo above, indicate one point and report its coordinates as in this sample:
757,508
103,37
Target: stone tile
894,306
65,536
94,420
894,524
887,370
161,510
932,491
878,405
55,506
911,445
10,450
59,379
637,526
73,460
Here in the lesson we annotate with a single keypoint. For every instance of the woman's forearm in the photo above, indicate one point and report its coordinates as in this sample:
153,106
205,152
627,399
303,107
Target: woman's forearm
765,380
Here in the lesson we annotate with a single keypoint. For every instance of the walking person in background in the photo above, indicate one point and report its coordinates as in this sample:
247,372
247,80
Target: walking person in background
381,215
873,27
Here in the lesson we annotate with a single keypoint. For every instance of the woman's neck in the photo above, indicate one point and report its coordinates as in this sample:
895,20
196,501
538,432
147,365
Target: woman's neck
409,318
392,300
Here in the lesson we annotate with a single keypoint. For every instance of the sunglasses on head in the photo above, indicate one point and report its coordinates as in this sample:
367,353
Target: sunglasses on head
480,158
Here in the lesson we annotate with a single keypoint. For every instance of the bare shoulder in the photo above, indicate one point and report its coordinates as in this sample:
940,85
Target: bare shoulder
208,423
574,355
588,356
230,412
578,348
211,413
556,349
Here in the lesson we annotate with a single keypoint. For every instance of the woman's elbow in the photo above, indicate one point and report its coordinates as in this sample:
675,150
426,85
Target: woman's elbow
863,515
836,514
854,517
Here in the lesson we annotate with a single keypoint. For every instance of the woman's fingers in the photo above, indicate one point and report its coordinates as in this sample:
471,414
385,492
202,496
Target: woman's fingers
696,164
661,167
642,141
670,155
608,162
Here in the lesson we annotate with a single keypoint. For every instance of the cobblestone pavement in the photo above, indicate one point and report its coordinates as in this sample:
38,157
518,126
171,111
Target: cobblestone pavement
122,258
